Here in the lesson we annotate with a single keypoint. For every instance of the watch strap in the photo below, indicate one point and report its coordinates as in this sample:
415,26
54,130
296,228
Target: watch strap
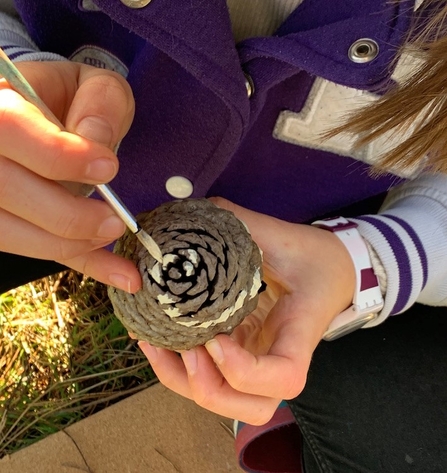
368,300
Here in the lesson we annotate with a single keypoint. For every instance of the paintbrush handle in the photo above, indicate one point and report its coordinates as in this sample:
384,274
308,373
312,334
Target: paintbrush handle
108,194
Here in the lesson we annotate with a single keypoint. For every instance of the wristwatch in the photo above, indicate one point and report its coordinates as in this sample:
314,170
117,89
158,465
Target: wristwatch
368,300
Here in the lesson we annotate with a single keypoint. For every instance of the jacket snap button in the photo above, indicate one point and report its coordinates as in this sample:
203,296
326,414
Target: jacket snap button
136,3
249,85
179,187
363,50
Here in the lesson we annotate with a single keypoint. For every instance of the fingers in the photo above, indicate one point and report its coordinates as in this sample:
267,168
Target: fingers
245,379
51,207
79,91
85,256
98,105
39,217
212,391
197,378
275,376
23,238
107,268
169,368
30,140
292,331
108,117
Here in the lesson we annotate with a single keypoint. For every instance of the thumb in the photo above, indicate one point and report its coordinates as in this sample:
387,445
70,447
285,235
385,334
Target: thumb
102,109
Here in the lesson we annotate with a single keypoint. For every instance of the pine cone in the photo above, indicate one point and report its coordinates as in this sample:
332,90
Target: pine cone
208,282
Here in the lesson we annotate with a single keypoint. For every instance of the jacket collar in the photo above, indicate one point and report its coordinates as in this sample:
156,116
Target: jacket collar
316,37
195,33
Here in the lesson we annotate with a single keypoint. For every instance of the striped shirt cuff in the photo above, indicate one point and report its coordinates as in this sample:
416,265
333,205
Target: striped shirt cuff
18,45
402,254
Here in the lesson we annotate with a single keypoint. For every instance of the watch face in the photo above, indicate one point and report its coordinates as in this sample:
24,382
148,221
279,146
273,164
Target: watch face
350,327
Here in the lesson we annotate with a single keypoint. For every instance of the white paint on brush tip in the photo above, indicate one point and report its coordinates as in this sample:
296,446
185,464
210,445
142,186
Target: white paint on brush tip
148,242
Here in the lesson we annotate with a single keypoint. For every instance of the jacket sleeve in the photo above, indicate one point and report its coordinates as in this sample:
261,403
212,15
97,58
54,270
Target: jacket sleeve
409,235
16,42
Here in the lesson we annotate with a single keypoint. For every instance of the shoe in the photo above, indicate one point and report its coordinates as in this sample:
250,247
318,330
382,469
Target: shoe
271,448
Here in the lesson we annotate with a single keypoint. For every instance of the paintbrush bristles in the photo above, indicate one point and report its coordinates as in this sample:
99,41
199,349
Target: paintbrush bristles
148,242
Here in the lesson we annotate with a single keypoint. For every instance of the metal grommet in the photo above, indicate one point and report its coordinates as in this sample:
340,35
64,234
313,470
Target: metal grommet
87,6
136,3
249,85
363,50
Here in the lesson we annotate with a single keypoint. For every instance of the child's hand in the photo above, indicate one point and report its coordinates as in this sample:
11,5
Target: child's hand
38,216
310,279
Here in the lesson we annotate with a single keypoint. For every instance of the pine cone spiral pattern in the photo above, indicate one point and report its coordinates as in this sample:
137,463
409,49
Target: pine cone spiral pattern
207,284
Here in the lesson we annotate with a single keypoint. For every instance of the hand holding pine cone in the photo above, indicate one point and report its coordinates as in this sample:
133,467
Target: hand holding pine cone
207,284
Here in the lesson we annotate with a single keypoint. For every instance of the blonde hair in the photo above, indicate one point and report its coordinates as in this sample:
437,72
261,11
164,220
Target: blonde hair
418,103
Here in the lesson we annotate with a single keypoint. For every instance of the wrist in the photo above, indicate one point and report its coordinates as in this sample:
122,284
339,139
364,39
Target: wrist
367,300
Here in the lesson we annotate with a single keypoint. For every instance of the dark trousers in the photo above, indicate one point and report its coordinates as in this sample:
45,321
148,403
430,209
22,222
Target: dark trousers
376,400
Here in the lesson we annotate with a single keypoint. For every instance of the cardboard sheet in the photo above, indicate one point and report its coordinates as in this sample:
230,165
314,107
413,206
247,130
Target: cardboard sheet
155,431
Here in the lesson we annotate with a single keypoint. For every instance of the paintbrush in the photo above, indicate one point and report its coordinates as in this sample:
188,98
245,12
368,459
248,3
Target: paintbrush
18,83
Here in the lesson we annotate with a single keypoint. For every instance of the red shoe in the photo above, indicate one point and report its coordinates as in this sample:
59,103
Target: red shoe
271,448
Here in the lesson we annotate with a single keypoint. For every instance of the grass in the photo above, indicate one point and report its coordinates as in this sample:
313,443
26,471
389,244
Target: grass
63,357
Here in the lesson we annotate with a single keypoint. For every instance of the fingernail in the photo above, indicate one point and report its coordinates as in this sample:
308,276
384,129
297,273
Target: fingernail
190,360
214,348
120,281
150,352
101,170
96,129
111,227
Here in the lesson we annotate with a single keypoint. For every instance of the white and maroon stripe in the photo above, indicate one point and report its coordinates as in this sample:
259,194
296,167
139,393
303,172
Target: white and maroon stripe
403,256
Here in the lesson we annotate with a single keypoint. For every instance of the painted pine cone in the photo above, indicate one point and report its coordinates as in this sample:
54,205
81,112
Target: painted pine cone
208,282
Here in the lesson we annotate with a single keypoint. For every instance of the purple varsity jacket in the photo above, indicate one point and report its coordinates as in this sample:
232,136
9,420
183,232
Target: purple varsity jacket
197,129
194,118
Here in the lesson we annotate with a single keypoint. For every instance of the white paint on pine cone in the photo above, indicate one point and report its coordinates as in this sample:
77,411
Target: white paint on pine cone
257,283
172,312
165,299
